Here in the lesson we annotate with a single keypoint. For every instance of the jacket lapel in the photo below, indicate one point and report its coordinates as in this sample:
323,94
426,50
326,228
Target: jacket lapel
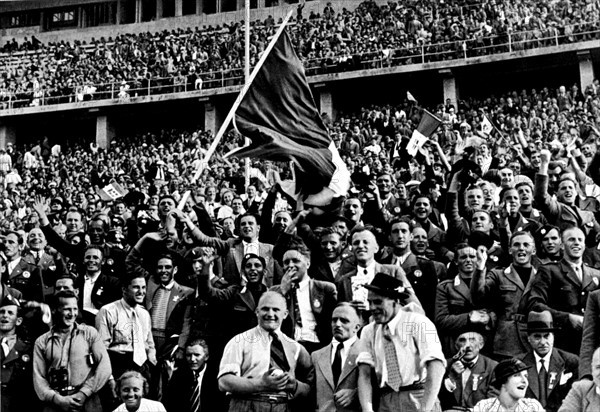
150,293
568,269
315,295
590,282
238,256
462,288
557,366
324,363
350,362
514,277
533,374
248,299
174,297
14,352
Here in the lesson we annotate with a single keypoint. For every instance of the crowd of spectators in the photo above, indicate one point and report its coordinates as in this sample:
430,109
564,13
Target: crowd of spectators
370,36
485,204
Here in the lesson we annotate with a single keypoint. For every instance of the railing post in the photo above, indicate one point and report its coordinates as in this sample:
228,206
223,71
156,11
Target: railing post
423,53
556,37
464,46
112,90
149,85
509,41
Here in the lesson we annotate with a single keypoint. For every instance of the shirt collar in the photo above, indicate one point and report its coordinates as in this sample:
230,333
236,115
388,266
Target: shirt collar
347,343
304,282
393,323
93,279
254,242
546,359
169,286
370,267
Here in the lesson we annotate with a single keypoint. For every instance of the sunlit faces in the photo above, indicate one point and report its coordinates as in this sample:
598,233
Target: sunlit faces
525,195
516,385
466,259
135,292
481,221
400,236
573,243
9,318
296,261
422,208
541,342
66,312
92,260
131,392
511,198
551,242
12,246
522,247
420,242
332,246
364,246
475,198
345,323
507,177
249,228
353,209
382,308
36,239
566,192
196,357
271,311
254,270
384,184
165,270
471,343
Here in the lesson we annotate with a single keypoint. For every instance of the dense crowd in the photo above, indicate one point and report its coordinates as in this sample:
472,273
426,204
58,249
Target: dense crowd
370,36
467,264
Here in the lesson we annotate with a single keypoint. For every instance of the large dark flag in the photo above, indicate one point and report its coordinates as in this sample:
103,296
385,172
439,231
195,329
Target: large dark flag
279,115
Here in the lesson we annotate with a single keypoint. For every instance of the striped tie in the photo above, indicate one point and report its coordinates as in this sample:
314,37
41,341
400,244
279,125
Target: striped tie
195,398
160,302
278,358
391,360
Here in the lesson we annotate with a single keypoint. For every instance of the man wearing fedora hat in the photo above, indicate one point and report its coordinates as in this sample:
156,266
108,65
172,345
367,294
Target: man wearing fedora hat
469,373
402,348
552,371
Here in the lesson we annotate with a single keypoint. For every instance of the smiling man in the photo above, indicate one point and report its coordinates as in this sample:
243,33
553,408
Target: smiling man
72,383
262,368
562,288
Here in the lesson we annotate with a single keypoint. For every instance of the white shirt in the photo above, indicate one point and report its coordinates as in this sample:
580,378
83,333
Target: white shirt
335,267
467,373
363,276
145,406
346,348
546,359
399,260
88,286
306,332
251,247
13,264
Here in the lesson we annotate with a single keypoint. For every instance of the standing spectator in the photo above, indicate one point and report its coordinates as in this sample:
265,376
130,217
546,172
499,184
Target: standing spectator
5,161
70,383
23,276
387,344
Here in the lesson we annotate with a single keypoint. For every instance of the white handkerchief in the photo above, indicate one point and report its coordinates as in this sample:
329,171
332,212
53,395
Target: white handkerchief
564,378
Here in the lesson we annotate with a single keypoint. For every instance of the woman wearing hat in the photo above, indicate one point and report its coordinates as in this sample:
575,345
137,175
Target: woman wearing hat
510,378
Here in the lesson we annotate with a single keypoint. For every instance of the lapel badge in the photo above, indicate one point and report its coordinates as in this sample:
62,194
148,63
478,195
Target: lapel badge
552,380
52,267
457,280
316,303
175,298
25,358
494,258
397,210
110,262
418,273
26,274
595,280
100,290
475,381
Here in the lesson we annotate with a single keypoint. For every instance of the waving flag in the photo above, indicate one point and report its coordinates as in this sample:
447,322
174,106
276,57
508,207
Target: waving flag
279,115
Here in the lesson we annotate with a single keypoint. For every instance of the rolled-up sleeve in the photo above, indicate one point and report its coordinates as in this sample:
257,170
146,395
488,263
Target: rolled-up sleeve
231,362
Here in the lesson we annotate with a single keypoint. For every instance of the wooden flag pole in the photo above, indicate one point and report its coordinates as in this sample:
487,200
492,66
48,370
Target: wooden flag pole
233,109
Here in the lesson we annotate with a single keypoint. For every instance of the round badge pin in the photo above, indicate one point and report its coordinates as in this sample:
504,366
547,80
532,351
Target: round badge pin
418,273
26,274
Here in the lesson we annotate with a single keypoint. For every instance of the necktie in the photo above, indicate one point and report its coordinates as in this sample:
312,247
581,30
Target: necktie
542,382
296,308
278,358
578,273
5,349
195,398
159,308
137,340
336,367
468,365
391,360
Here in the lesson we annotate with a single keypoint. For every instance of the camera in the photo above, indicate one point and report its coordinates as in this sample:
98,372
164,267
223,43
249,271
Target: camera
58,378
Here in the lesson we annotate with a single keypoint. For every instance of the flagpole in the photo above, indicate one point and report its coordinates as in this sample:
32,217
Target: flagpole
233,109
246,79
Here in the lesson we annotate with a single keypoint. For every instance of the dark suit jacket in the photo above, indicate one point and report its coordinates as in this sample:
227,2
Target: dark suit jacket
505,292
323,298
16,372
562,372
176,309
51,269
558,290
422,275
325,386
27,278
591,333
106,290
467,397
181,386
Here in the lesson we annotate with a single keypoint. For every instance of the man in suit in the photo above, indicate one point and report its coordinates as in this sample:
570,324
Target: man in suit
16,359
189,388
506,290
96,288
310,302
336,371
422,207
552,371
469,373
25,277
562,288
166,300
233,251
36,255
453,307
584,396
353,277
421,273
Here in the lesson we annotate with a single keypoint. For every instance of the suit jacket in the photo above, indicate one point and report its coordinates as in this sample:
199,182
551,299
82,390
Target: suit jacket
581,398
505,292
558,290
181,387
477,386
422,275
28,279
16,372
51,269
325,386
106,290
323,298
176,308
562,372
591,333
452,307
232,254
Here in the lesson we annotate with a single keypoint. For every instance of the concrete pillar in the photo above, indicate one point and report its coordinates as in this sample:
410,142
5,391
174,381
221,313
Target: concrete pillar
211,116
178,8
8,134
326,102
138,11
450,87
159,9
261,4
105,131
240,5
118,13
199,7
586,69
